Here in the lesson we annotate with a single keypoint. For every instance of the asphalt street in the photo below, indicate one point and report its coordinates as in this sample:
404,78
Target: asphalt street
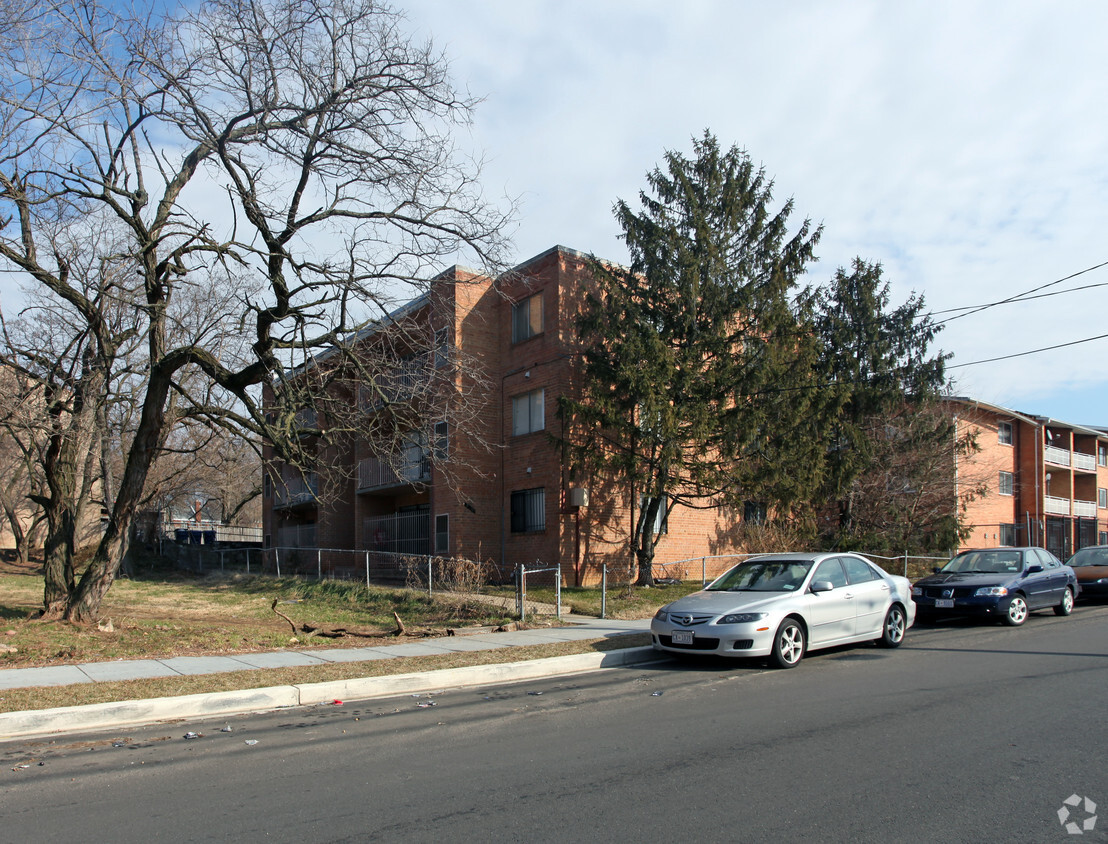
966,733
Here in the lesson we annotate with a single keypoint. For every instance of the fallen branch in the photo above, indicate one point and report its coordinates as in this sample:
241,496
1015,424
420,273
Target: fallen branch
340,632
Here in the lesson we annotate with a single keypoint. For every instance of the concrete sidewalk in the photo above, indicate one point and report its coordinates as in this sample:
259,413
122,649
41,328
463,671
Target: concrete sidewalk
106,716
139,669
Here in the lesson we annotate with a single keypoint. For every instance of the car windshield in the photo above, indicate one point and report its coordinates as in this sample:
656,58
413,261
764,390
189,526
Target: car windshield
1090,557
985,562
764,576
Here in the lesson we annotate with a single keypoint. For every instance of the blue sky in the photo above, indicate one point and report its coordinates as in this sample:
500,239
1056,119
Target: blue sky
961,144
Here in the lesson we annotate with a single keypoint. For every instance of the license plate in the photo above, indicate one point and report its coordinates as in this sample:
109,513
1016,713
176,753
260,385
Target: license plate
944,603
682,637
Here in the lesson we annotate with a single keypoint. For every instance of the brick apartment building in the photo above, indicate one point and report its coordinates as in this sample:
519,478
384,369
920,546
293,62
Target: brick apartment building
509,504
1045,481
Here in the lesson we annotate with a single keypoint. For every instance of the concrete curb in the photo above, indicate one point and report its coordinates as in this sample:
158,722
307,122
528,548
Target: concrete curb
130,713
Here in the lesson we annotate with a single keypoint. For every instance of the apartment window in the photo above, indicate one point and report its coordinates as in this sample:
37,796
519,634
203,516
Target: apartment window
1008,535
442,350
1102,454
1103,540
442,440
528,413
1102,497
527,318
267,486
529,510
1006,485
442,533
661,520
1004,433
754,513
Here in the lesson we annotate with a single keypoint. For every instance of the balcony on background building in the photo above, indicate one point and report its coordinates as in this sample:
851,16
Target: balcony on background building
1084,462
1084,509
1057,456
1056,506
398,533
296,536
375,475
294,492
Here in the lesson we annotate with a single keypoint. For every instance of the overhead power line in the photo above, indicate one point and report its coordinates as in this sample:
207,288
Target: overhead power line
1030,352
1027,294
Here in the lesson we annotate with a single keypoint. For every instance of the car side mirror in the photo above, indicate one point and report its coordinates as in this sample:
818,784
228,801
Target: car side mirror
822,586
936,569
1032,570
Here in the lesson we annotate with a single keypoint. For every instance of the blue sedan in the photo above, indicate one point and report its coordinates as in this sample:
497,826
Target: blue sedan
1000,583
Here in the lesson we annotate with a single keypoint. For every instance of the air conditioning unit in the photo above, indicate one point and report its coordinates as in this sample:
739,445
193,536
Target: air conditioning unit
577,497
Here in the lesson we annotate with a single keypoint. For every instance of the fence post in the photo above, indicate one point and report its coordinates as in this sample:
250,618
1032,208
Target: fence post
366,568
558,591
248,550
905,563
703,571
319,564
222,568
430,576
604,591
277,557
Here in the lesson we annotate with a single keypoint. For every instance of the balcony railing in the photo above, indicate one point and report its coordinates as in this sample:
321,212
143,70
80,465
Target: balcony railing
1057,456
296,536
1085,509
290,492
399,533
399,385
376,474
1057,506
1084,462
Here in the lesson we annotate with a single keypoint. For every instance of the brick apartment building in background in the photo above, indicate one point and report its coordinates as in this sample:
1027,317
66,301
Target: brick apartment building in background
1045,481
511,503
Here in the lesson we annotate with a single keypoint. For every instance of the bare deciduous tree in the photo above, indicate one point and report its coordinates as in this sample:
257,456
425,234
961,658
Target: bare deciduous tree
277,174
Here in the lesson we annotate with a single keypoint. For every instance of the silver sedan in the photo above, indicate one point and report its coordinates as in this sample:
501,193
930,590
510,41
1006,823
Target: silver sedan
784,605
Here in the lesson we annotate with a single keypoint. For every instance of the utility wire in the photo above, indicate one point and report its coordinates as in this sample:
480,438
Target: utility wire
970,311
1031,352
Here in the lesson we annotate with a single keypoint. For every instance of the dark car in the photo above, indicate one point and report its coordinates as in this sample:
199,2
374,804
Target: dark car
1091,567
1001,583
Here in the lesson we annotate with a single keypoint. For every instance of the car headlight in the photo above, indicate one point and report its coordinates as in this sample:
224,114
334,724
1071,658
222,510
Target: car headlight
661,614
917,592
991,592
742,617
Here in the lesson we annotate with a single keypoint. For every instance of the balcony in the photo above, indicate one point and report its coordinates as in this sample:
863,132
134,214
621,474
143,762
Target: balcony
296,536
1056,506
1085,509
375,475
1057,456
398,386
296,492
1084,462
399,533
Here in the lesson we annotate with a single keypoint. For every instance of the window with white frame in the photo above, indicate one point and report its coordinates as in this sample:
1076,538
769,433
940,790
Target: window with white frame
1004,433
1102,454
528,510
1006,485
442,533
528,413
754,512
1102,498
527,318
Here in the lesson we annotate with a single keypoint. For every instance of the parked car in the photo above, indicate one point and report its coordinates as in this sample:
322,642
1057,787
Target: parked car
1000,583
1090,564
784,605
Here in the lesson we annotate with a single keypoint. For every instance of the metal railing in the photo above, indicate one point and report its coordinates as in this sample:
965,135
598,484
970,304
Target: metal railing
374,473
292,491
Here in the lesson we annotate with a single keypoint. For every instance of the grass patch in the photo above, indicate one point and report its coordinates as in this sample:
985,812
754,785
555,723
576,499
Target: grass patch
163,614
48,697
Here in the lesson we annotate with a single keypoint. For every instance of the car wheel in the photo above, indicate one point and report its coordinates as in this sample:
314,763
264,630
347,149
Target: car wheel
1017,611
892,631
1066,607
788,644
